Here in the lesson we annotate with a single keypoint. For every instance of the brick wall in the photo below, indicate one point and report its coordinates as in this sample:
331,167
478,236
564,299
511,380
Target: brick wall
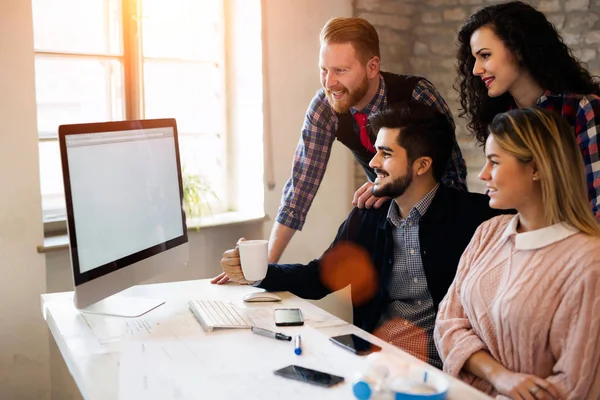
419,37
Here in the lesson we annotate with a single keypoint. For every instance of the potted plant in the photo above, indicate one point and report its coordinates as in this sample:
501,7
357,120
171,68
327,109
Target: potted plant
197,196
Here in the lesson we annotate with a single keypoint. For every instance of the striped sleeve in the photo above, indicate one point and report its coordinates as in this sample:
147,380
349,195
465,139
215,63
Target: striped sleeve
310,162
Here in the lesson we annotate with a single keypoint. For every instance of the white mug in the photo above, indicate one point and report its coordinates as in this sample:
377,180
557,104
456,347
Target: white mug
253,258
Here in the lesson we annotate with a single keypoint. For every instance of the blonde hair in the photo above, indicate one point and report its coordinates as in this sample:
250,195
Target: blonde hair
356,31
533,134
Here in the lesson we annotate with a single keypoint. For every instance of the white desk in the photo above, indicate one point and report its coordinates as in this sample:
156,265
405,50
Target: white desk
98,350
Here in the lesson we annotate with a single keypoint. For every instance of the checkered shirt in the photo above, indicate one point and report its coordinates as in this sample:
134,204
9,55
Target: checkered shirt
314,148
409,319
580,112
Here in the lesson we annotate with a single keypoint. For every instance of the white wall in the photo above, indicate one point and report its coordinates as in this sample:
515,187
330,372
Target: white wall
292,48
23,333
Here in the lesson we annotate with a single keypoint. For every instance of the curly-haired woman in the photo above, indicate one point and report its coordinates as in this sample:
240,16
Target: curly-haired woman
510,56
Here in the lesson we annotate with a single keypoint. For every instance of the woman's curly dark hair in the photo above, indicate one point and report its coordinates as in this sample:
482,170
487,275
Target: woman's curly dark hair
526,32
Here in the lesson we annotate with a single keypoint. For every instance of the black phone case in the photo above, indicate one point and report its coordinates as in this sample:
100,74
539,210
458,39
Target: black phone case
299,323
334,379
372,349
344,346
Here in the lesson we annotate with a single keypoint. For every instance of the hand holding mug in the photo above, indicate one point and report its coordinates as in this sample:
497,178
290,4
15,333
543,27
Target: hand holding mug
245,264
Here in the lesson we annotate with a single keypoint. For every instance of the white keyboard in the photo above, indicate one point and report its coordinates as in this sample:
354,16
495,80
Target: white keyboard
218,314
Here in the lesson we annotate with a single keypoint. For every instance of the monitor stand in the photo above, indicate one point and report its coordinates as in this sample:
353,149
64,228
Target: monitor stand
123,306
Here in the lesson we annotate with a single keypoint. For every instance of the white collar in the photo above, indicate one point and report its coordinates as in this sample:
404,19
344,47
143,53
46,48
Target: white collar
540,237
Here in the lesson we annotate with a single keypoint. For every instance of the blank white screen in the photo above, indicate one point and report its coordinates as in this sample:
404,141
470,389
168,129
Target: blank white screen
125,193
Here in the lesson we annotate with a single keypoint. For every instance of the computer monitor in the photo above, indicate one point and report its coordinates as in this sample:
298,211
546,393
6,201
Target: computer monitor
125,216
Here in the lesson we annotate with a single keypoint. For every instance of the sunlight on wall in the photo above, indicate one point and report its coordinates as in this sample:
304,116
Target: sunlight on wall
245,117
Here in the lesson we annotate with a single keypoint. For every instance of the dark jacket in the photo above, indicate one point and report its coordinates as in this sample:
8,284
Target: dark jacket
399,89
444,232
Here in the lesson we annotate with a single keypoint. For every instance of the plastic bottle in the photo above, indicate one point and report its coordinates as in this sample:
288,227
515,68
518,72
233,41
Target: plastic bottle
371,383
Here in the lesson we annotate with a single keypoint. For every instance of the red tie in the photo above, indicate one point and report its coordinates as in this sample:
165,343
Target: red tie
361,118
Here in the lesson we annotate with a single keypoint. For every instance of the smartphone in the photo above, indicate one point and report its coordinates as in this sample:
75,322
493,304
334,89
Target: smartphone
355,344
288,317
309,375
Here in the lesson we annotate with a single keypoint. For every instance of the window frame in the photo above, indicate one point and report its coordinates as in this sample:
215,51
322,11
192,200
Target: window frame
132,63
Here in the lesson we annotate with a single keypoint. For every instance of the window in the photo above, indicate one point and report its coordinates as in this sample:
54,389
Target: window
103,60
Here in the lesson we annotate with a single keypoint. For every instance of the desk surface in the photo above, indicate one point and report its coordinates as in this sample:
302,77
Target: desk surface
105,354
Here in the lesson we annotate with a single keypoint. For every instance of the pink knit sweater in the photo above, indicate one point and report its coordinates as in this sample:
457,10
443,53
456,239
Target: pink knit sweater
532,300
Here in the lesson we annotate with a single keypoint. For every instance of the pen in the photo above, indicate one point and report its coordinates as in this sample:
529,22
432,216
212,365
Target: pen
298,349
267,333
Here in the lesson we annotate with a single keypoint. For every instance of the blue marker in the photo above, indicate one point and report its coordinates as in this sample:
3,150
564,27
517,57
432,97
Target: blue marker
298,349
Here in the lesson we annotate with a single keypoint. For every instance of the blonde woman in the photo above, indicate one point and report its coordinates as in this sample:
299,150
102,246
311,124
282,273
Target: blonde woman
522,318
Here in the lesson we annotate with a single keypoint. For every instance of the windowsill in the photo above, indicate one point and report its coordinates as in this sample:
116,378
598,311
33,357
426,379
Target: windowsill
224,219
61,241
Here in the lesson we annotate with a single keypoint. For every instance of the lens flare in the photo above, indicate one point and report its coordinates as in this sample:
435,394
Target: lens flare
349,264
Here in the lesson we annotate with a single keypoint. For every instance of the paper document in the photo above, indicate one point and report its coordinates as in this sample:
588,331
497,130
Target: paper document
228,364
322,319
263,315
161,322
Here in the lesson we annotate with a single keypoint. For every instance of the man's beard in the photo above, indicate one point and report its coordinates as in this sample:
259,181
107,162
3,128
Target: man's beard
394,189
351,97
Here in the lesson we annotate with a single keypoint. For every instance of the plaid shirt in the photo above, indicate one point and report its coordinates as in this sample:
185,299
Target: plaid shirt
314,148
580,112
409,319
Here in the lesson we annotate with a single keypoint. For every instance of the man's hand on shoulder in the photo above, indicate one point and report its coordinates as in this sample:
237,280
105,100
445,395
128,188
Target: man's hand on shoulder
363,197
